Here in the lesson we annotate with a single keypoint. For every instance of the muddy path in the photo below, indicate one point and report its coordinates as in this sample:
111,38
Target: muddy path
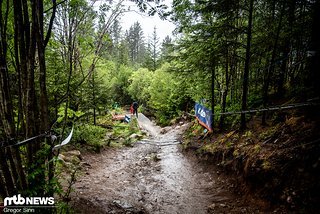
155,176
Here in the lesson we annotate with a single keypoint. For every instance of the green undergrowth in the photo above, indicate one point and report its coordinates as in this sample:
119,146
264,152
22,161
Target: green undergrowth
124,134
90,135
107,133
280,162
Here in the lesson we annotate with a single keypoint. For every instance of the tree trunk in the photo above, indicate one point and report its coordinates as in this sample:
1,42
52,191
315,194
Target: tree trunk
225,92
246,68
18,163
94,99
271,67
6,174
44,113
286,49
12,168
315,50
6,108
3,191
212,93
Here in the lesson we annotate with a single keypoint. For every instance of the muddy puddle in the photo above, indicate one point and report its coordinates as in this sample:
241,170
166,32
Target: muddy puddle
155,176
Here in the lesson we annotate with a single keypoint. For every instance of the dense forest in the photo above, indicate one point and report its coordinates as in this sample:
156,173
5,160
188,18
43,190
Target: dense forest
65,63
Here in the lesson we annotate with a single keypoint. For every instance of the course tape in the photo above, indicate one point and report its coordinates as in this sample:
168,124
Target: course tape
273,108
46,134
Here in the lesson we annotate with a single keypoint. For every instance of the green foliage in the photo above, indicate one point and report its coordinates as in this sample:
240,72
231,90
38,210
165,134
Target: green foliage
166,94
140,81
122,133
134,39
134,126
71,114
37,173
266,165
161,90
192,131
119,83
256,149
229,144
247,134
90,135
255,100
269,132
105,121
213,38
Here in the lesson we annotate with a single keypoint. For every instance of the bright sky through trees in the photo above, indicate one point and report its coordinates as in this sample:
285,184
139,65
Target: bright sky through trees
133,14
164,27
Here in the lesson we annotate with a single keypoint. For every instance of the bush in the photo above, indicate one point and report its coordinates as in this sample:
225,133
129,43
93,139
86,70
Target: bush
162,119
90,135
105,121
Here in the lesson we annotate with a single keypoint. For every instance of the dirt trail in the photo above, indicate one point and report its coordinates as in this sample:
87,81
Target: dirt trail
154,176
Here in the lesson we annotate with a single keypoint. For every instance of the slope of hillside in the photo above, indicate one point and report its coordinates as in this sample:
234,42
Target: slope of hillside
279,163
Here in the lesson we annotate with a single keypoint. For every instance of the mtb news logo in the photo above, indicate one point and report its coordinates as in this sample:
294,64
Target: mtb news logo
19,204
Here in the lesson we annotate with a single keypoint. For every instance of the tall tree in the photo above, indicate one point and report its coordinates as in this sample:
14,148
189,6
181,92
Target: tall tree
29,42
154,51
135,40
315,49
246,67
166,48
115,34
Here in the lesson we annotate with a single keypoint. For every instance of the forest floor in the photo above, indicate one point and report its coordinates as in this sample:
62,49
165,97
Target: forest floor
157,176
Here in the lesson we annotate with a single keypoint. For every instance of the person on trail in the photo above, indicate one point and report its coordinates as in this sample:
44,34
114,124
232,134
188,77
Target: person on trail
131,109
135,106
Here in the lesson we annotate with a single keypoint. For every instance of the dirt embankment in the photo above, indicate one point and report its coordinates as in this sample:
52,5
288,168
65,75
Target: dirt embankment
279,163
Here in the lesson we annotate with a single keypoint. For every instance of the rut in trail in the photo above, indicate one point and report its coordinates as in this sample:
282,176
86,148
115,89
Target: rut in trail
154,176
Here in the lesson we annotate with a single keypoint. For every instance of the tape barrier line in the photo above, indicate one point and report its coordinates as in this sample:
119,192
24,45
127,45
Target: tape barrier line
275,108
46,134
65,141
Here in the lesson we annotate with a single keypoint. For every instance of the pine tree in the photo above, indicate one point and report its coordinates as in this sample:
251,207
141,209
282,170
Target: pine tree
135,40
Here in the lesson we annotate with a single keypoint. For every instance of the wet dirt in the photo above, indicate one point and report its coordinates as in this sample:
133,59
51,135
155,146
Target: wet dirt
155,176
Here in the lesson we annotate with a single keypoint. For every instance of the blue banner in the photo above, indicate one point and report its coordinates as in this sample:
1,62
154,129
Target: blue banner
204,116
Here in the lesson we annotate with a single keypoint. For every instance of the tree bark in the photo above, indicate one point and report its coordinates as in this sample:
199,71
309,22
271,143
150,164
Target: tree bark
271,67
246,68
6,111
6,174
225,92
94,99
13,169
3,191
315,50
213,73
286,49
6,107
44,113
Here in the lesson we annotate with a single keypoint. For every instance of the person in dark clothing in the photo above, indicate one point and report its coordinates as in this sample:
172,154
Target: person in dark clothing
135,106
